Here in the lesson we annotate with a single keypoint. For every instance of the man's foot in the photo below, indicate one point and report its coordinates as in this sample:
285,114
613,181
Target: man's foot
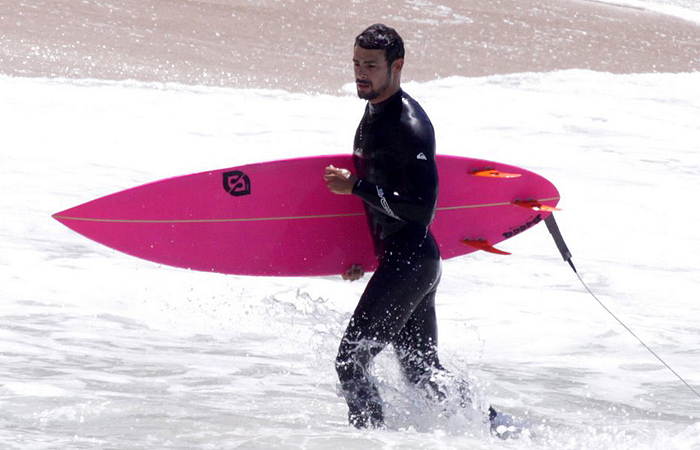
505,426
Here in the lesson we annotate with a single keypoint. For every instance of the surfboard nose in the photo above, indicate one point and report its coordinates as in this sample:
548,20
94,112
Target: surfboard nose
64,218
61,215
66,215
79,219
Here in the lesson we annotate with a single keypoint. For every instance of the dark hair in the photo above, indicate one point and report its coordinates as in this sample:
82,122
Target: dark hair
381,37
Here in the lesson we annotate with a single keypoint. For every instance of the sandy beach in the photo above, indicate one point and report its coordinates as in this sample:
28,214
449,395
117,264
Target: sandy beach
305,46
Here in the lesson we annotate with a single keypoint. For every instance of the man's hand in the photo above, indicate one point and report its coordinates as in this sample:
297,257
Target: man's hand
355,272
339,181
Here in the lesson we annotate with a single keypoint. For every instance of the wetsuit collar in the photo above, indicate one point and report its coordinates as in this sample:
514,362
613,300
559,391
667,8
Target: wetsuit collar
381,107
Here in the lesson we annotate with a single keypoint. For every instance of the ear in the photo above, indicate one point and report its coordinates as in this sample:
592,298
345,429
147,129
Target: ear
397,65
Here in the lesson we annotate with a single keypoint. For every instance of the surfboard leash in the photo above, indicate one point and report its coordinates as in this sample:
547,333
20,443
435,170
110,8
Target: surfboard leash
566,254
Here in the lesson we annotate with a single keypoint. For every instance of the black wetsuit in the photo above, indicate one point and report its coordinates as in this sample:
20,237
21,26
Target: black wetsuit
398,181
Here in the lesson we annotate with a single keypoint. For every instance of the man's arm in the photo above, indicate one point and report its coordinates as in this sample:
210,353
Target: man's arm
416,203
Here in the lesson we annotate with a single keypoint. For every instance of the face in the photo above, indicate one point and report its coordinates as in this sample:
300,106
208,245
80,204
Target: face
374,79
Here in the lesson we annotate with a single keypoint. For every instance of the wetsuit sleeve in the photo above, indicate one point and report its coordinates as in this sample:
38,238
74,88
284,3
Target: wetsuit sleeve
415,201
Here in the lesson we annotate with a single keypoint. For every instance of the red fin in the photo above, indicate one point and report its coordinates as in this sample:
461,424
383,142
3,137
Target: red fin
483,244
493,173
534,205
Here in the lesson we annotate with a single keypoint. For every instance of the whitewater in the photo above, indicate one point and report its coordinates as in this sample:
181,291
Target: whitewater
102,350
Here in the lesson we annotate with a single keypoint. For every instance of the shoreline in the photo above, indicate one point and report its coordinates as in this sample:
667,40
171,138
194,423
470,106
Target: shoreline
618,5
276,46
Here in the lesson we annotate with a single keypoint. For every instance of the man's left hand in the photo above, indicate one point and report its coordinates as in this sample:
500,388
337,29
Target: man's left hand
355,272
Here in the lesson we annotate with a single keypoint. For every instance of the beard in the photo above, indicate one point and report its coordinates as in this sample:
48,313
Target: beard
372,93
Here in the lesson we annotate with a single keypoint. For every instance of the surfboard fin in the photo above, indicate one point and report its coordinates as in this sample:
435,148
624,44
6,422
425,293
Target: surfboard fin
483,244
493,173
534,205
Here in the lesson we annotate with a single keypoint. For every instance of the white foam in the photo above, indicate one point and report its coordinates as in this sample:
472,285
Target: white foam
683,9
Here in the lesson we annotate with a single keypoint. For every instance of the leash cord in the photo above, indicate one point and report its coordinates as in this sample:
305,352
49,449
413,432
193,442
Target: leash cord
635,336
566,254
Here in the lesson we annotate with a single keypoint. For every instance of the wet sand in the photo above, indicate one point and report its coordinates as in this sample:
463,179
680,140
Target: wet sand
306,46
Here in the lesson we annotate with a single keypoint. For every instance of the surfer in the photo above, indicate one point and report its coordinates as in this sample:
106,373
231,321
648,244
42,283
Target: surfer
396,177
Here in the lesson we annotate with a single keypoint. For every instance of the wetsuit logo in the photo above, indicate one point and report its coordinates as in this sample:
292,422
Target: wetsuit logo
236,183
385,204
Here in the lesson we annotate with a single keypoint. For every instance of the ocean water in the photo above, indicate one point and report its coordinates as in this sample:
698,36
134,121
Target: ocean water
667,6
684,9
102,350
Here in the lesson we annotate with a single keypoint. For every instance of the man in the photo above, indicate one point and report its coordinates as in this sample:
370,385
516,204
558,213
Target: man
396,177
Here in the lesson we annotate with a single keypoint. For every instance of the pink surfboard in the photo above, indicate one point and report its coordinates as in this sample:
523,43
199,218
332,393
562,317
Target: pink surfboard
279,219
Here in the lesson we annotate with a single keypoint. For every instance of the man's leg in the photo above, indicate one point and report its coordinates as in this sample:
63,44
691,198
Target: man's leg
416,348
390,299
416,345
